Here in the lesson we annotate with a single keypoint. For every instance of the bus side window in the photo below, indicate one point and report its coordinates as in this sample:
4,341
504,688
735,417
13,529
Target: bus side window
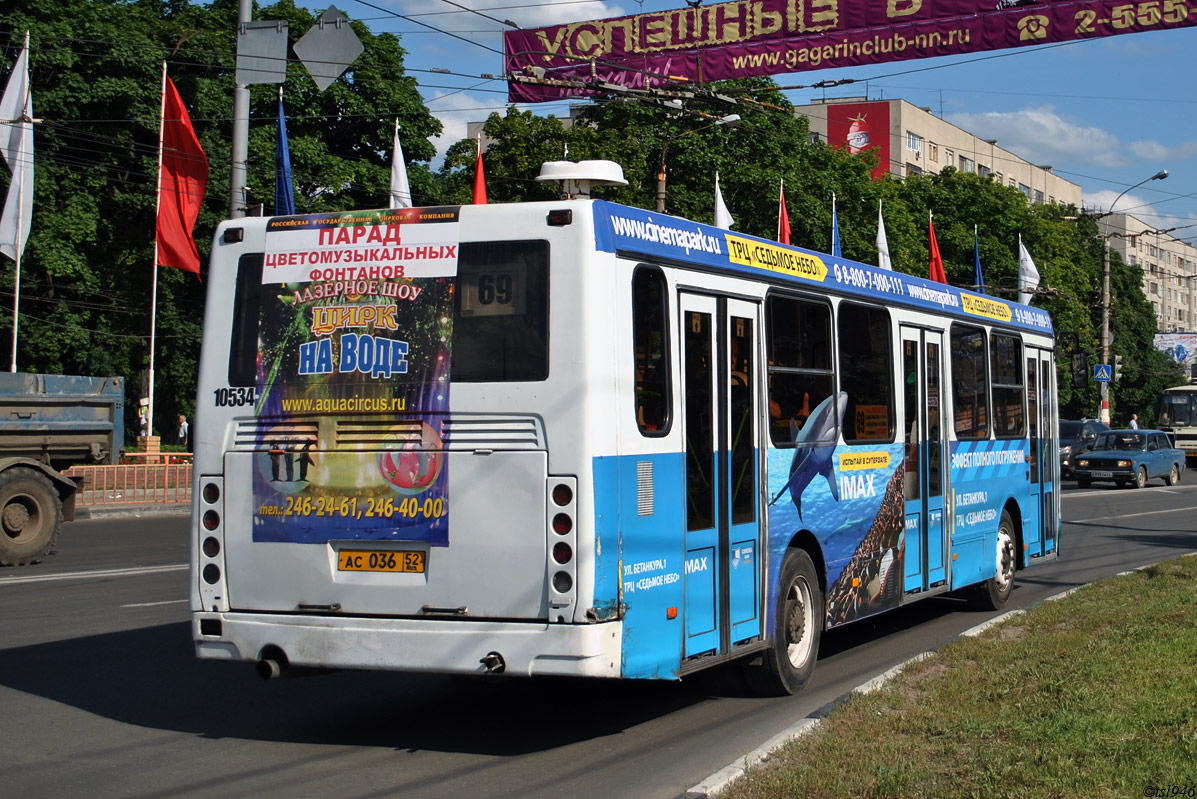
970,384
247,313
866,372
798,340
1005,359
650,341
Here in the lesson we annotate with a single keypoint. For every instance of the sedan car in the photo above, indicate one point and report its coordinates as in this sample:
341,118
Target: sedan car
1076,438
1130,457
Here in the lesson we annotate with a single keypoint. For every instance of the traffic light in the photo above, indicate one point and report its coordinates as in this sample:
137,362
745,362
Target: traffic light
1117,367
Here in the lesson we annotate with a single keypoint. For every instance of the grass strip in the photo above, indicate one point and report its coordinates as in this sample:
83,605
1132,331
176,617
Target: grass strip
1093,695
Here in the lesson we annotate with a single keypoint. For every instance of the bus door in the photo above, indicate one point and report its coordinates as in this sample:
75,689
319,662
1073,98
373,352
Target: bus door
720,410
1043,462
924,475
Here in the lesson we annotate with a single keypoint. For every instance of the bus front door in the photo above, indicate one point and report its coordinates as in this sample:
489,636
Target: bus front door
924,473
1043,464
720,412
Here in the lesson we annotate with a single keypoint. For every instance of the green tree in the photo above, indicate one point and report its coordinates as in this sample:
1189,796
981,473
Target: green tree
95,70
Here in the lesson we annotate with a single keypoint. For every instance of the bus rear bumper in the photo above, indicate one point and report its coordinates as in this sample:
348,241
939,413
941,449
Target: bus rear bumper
435,646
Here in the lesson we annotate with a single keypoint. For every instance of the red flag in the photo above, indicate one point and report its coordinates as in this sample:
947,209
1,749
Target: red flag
783,219
937,273
479,178
181,183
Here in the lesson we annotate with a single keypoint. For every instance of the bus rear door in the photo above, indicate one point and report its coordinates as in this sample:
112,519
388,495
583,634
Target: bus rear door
925,476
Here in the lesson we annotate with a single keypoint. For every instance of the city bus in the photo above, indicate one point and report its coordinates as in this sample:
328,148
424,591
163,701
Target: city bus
577,438
1177,414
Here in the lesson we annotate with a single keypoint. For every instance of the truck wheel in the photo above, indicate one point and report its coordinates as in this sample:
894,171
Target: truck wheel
786,667
995,592
1173,476
30,516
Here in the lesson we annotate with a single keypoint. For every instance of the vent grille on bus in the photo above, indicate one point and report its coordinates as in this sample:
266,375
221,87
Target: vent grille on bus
468,433
644,488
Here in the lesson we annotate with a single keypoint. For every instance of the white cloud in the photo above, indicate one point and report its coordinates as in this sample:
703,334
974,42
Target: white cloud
1129,203
1042,136
1151,150
455,111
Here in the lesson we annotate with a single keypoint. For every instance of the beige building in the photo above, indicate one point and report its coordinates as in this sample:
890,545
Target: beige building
1169,269
914,141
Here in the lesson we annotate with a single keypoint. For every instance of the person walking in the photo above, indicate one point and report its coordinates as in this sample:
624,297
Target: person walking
183,437
1134,422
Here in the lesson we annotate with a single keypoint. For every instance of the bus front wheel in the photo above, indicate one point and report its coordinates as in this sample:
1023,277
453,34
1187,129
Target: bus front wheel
995,592
787,665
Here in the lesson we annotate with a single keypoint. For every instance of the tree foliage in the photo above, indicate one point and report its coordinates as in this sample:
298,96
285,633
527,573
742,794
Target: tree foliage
95,71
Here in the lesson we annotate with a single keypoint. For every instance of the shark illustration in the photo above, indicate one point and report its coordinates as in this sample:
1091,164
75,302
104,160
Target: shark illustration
816,443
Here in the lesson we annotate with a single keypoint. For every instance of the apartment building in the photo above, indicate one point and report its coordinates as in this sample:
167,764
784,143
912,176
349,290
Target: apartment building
913,141
1169,268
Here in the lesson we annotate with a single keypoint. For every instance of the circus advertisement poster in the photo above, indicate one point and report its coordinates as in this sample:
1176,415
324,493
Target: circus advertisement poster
1180,347
858,127
353,376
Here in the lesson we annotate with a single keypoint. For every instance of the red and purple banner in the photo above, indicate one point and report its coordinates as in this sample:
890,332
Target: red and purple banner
765,37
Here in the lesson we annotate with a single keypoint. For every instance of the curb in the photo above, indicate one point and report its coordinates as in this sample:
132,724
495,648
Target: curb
721,779
117,511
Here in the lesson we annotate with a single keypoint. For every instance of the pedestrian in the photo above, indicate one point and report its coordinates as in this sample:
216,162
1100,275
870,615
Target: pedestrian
1134,422
184,435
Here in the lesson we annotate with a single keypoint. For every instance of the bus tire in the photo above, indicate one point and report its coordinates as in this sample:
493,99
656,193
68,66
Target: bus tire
994,593
787,665
30,516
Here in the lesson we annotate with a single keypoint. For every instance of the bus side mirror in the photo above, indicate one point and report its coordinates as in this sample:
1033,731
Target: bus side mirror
1080,370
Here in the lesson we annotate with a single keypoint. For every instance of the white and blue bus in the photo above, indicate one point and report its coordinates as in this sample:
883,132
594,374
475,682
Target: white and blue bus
577,438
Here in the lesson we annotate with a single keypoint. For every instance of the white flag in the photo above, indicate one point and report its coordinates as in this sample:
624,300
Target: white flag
16,142
1028,275
882,242
400,190
723,217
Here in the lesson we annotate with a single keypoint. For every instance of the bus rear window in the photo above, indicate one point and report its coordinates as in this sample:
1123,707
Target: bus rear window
501,312
247,311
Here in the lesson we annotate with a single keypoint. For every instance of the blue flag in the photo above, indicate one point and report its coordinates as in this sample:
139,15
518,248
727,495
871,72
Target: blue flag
835,231
284,195
978,280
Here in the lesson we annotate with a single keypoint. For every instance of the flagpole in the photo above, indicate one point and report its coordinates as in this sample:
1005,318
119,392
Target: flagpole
149,429
781,192
16,286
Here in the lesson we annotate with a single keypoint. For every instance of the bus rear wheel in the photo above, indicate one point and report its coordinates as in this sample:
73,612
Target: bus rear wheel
30,516
994,593
787,665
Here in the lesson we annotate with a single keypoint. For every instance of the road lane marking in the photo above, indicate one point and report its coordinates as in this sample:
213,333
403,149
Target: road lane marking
154,604
91,575
1128,515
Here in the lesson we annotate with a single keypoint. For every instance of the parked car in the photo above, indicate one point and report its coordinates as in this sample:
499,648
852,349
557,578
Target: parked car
1130,456
1076,438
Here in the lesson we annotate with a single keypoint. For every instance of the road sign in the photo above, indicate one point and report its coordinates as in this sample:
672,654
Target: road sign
1101,372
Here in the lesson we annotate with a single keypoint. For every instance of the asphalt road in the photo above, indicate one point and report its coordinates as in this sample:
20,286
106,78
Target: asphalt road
100,694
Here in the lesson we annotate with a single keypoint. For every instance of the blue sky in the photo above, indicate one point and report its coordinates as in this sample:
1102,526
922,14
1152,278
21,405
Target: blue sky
1105,113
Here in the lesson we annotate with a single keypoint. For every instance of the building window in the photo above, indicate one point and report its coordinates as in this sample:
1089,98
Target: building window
1051,200
914,142
967,164
984,171
912,169
813,138
1000,178
933,151
1025,189
1038,197
1013,182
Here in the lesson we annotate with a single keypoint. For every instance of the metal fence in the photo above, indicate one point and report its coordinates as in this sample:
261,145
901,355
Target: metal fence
166,481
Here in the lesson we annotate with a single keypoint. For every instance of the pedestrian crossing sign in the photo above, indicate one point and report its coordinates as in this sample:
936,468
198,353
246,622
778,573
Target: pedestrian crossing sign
1101,372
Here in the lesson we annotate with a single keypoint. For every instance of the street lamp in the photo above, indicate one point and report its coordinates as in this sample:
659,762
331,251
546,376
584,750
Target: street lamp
1105,296
731,120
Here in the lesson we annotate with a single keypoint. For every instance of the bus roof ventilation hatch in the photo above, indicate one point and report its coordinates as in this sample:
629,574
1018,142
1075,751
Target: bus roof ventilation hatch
576,179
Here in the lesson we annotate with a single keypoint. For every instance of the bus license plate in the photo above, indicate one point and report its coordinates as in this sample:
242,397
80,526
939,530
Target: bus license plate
1101,474
360,560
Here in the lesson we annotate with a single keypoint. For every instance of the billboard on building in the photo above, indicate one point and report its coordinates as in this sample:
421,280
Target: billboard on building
767,37
858,127
1180,347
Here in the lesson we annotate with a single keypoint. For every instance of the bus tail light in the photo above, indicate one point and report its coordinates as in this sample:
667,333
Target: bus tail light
561,564
211,544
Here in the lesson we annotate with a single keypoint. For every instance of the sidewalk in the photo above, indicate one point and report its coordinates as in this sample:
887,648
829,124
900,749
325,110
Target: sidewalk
133,509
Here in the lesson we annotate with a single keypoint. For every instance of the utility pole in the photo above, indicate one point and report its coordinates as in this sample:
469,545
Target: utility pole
240,155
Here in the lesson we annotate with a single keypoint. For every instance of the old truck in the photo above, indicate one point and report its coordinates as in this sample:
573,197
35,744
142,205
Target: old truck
47,423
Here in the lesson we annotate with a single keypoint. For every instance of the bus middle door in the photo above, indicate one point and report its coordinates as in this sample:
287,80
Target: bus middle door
926,539
720,397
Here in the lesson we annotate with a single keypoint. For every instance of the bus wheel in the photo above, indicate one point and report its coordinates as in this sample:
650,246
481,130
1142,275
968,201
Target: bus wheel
995,592
1141,477
30,516
786,667
1173,476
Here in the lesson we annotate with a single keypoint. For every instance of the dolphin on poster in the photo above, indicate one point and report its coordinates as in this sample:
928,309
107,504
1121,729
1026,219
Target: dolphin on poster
816,443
